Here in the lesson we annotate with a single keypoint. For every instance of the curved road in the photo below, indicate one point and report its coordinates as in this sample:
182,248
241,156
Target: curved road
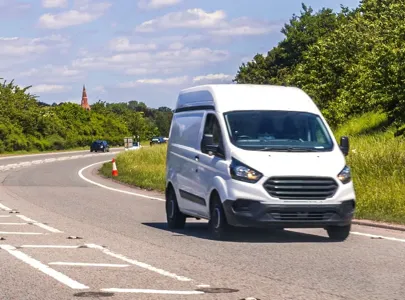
68,233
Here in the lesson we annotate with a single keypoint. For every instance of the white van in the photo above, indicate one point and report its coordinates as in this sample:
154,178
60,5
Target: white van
256,156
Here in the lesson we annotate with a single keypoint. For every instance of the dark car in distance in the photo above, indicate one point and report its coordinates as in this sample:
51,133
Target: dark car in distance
100,146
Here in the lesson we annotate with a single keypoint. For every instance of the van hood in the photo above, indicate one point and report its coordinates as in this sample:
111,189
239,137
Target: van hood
293,163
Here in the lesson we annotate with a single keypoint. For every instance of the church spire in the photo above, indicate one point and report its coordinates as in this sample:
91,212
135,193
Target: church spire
85,103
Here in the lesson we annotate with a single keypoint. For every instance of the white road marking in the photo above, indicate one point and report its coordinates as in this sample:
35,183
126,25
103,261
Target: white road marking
3,207
13,223
21,233
60,263
110,188
378,236
43,268
5,216
43,226
50,246
203,285
144,291
138,263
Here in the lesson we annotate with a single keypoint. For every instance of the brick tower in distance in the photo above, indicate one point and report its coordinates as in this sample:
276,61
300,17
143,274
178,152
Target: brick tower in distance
85,103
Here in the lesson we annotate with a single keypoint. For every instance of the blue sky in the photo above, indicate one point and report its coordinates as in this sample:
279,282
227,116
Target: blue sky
145,50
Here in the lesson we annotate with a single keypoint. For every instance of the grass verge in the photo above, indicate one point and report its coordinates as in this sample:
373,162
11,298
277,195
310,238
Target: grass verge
377,160
144,168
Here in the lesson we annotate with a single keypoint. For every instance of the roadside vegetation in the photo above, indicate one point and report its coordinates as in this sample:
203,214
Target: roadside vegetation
29,126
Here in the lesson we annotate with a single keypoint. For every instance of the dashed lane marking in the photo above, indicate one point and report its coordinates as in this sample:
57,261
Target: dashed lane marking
50,246
88,264
5,216
146,291
13,223
43,226
378,236
138,263
21,233
110,188
43,268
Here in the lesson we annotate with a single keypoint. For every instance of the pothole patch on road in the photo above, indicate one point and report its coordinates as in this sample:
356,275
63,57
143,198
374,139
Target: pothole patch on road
93,294
210,290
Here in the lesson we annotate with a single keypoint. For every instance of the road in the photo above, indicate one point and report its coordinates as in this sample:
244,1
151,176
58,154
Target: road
69,234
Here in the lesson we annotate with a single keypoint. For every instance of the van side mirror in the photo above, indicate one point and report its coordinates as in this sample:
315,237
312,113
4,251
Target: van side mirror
345,145
208,146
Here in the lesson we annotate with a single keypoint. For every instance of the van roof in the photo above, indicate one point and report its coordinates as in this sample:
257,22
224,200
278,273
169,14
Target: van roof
232,97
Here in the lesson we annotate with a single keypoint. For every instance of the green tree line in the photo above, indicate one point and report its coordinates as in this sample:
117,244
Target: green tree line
27,124
351,61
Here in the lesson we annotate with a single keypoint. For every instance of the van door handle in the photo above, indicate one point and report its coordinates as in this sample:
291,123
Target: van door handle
197,158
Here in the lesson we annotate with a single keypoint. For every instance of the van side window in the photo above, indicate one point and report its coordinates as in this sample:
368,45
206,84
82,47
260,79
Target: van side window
212,127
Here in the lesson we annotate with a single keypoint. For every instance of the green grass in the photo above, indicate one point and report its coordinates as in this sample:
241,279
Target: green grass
377,160
144,168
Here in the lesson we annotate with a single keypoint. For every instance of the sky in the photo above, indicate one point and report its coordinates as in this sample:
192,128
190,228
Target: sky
143,50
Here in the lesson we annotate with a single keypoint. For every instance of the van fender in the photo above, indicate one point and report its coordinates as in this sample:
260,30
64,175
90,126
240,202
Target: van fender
218,185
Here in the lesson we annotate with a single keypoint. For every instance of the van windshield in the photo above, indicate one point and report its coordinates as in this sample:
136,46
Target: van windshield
278,131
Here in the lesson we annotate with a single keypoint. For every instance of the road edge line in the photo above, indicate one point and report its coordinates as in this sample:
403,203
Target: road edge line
80,173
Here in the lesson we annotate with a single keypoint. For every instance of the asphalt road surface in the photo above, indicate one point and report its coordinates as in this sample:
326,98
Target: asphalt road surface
69,234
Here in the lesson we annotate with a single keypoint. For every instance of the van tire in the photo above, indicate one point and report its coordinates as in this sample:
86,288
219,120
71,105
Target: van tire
218,225
339,233
175,218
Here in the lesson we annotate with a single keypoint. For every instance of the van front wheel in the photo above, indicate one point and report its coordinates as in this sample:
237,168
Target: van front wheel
175,218
218,224
339,233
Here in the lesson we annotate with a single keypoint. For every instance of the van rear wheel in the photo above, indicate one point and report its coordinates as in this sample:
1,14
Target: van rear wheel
218,224
339,233
175,218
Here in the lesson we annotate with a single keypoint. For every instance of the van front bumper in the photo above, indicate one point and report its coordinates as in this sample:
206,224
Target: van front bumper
249,213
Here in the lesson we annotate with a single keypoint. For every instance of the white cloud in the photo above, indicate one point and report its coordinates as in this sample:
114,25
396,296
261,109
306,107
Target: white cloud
156,4
156,81
51,73
182,80
191,18
123,44
54,3
22,47
168,61
48,88
213,78
12,7
85,12
215,22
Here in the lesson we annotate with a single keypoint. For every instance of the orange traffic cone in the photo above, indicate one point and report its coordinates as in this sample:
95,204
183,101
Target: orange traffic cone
114,168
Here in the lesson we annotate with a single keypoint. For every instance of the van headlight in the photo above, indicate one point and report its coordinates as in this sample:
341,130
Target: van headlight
242,172
345,175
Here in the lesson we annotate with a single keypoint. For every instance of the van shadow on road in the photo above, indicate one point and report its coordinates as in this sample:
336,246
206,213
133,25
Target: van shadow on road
247,235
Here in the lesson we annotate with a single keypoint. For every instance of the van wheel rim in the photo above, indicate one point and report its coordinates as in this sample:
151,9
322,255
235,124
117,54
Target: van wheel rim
217,218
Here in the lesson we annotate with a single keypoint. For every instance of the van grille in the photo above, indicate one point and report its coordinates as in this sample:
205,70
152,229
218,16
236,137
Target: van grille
302,216
301,188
